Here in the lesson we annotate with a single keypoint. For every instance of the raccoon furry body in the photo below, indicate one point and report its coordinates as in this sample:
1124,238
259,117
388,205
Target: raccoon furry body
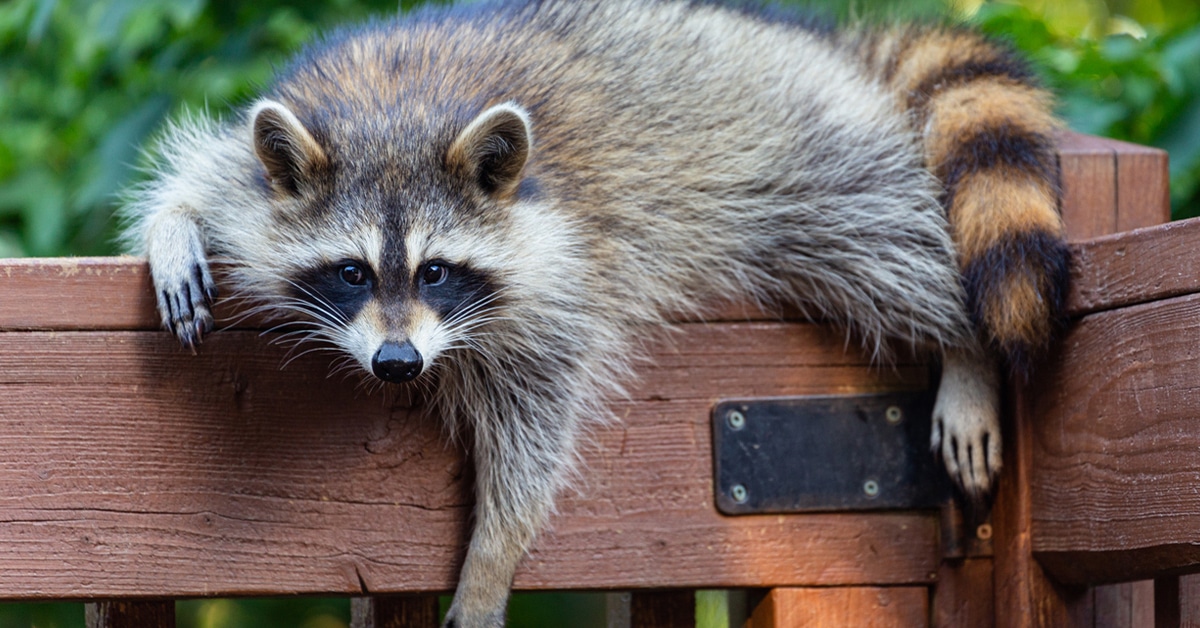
503,201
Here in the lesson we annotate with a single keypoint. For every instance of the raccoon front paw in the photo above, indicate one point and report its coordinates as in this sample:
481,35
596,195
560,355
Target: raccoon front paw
966,426
185,300
182,283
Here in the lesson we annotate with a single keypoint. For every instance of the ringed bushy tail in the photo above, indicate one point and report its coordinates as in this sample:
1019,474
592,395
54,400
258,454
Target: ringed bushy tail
988,134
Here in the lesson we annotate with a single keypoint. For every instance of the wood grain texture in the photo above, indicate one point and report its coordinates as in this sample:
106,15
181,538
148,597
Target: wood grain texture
1089,177
1111,186
1117,446
838,607
1135,267
1025,596
1143,186
129,467
1125,604
77,293
964,594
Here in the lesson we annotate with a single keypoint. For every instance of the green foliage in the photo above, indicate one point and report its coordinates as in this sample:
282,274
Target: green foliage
281,612
41,615
1142,85
84,83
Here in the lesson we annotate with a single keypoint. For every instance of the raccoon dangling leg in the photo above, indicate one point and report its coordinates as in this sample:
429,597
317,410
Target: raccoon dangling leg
520,465
966,421
182,282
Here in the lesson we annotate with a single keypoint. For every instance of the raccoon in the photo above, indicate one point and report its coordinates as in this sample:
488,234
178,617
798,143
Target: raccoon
502,202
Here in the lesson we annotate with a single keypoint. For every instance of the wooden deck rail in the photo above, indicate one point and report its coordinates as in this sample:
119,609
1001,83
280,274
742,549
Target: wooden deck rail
133,470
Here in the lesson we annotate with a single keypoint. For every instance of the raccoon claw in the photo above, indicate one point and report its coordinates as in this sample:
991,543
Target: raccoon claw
966,425
186,308
971,460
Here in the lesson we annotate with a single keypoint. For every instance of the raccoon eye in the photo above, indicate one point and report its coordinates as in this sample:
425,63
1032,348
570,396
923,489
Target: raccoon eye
434,274
353,274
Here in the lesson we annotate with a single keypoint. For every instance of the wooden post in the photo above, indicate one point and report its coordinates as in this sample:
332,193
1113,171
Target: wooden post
394,611
1107,187
130,614
835,607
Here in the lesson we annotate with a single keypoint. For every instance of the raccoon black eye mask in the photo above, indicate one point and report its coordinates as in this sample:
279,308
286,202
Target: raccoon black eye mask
469,198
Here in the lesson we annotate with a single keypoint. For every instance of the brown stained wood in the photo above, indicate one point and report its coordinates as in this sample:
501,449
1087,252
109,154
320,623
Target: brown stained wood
838,607
1089,177
1117,446
1143,186
130,614
1125,604
1135,267
1189,600
1111,186
395,611
663,609
1176,602
130,467
1026,597
964,594
77,293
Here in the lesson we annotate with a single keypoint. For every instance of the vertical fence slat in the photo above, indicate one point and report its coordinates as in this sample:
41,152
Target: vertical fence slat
394,611
130,614
834,607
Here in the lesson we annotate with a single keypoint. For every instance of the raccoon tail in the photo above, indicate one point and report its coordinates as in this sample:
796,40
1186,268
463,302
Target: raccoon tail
987,133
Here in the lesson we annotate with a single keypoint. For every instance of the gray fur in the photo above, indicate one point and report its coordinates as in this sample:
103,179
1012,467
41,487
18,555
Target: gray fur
681,157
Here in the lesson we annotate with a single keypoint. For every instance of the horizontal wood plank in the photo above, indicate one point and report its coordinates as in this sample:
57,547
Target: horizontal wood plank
129,467
1135,267
1117,446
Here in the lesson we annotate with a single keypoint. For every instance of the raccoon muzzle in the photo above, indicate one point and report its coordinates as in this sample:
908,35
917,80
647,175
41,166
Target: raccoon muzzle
397,362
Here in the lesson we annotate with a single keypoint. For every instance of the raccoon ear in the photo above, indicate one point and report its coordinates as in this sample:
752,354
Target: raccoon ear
287,150
493,148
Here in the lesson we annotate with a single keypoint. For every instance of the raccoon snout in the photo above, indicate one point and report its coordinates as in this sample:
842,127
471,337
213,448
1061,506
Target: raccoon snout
397,362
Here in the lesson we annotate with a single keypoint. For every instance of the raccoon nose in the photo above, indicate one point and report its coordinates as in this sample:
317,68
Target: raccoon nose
396,362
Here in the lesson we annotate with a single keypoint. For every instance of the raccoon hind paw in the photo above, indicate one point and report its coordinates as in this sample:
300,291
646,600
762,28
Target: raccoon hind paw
966,425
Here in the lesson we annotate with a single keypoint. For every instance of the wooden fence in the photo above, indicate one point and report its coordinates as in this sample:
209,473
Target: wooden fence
133,473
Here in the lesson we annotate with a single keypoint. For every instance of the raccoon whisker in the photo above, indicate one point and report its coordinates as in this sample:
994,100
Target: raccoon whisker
293,339
317,349
458,314
331,311
306,308
369,384
305,327
344,365
470,325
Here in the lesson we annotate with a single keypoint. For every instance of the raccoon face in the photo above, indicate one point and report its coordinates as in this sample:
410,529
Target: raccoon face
392,289
396,324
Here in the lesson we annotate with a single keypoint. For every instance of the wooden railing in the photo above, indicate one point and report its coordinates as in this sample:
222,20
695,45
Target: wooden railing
132,471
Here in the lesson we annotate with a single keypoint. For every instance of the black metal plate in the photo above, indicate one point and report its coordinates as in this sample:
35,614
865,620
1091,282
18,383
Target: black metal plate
810,454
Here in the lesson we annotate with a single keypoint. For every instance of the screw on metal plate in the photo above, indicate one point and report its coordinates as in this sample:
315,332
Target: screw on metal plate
894,415
738,492
984,531
871,488
736,419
